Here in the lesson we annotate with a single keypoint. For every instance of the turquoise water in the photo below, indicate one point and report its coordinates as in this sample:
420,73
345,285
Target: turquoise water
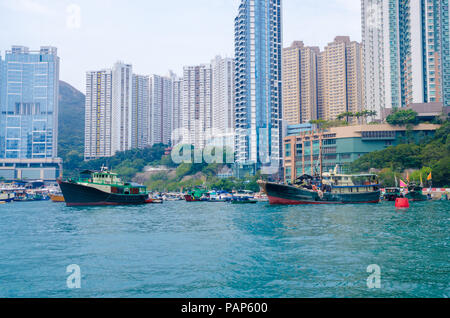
181,249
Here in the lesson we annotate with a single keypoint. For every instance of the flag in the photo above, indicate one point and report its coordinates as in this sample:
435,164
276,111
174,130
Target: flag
403,184
407,176
429,177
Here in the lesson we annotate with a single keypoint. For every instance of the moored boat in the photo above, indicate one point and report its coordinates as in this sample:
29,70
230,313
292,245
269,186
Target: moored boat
331,188
392,194
6,197
415,193
57,197
102,188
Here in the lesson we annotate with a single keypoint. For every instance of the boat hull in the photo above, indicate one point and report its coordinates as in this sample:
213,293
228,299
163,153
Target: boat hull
280,194
80,195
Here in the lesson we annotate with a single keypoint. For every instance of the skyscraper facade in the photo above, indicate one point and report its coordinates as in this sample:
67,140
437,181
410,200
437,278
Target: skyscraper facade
161,104
197,105
300,83
29,103
98,115
258,54
405,52
141,111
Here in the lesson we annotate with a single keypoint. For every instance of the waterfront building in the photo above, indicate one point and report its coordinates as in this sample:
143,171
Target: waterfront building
300,83
98,115
121,120
141,111
313,151
197,105
29,88
258,58
161,104
406,52
223,100
342,83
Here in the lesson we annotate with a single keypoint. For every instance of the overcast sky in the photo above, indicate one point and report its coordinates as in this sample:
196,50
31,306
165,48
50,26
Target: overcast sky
153,35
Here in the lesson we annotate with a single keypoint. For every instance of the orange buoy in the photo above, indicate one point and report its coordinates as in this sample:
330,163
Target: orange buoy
402,203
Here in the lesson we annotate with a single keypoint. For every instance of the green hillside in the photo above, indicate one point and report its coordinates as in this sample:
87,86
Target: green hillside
433,155
71,124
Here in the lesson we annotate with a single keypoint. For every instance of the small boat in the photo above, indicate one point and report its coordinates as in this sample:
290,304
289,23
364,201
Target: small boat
329,188
196,196
58,197
97,188
243,201
7,197
392,194
415,193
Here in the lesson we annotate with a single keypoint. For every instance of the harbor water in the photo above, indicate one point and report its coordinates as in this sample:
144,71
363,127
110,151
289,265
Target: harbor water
202,249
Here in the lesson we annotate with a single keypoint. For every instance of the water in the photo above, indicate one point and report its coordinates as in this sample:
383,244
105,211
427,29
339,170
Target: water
181,249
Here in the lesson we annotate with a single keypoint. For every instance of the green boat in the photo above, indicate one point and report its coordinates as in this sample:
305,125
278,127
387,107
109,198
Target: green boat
415,193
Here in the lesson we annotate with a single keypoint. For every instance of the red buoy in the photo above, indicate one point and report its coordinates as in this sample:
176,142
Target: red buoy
402,203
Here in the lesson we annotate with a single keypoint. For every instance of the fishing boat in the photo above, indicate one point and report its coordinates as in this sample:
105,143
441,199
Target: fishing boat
415,193
57,197
392,194
327,188
96,188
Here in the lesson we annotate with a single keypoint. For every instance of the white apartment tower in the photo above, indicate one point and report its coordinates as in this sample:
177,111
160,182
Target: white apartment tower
161,103
122,110
98,112
223,99
197,105
140,112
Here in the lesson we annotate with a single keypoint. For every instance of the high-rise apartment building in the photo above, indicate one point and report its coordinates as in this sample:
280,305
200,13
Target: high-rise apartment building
300,83
223,100
161,103
141,112
177,107
109,111
122,110
258,58
197,105
406,46
98,115
342,83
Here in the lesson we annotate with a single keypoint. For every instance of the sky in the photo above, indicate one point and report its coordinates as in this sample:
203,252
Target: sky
156,36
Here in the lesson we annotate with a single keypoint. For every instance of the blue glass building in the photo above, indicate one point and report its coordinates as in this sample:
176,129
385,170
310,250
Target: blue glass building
29,83
445,47
29,103
258,112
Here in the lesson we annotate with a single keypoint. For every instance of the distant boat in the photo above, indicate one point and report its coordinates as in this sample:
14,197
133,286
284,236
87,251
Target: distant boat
57,197
331,188
6,197
243,201
102,188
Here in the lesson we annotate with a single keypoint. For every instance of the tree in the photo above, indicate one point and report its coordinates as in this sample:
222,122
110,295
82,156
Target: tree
402,117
